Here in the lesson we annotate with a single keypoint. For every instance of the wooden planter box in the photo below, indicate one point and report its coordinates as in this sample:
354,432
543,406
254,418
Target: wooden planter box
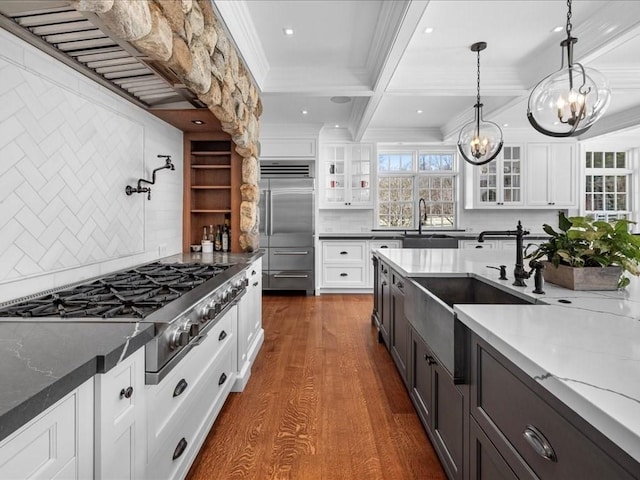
587,278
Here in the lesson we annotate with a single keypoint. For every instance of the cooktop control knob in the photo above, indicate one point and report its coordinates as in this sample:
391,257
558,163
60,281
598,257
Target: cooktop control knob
178,338
194,329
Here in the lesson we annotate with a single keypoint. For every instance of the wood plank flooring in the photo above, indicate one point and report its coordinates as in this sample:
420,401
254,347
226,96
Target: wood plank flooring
324,401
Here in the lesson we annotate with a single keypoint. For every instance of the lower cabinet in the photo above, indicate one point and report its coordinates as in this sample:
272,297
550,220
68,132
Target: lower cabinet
440,405
485,463
398,326
57,444
385,303
533,432
120,416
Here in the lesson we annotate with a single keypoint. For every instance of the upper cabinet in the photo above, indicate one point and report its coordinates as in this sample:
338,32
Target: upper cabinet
345,176
530,175
288,148
551,175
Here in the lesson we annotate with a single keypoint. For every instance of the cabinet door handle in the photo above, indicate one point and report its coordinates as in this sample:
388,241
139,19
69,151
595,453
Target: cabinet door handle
344,274
291,253
255,284
539,443
400,285
180,448
430,360
253,272
126,393
384,283
180,387
223,378
222,335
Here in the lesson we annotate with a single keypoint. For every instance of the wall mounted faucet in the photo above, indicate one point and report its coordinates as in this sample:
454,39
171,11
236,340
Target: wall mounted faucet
140,189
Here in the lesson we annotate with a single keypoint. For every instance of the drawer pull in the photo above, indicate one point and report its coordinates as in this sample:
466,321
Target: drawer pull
222,335
539,443
479,246
383,246
283,275
223,378
181,387
291,253
126,393
180,448
400,285
430,360
344,253
344,274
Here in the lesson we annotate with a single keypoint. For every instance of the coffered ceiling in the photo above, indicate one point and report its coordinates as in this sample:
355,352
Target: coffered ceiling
378,54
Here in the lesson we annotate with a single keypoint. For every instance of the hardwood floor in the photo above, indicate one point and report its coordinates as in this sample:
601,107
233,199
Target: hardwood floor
324,401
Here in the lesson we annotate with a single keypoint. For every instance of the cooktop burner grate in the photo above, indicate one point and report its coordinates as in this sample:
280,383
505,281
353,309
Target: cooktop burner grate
134,293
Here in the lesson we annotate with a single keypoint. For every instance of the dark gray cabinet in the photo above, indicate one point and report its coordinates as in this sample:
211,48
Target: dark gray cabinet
385,303
485,463
440,405
533,432
398,326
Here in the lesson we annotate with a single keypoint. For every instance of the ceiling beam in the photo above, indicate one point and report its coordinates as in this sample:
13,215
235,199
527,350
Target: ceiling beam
409,14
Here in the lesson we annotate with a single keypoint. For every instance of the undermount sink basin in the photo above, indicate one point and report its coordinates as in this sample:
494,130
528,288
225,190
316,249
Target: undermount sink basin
465,290
428,240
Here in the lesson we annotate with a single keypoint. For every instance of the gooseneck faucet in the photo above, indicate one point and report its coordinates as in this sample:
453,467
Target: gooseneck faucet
519,273
421,218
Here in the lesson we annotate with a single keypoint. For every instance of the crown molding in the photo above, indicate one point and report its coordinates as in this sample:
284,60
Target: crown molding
242,32
406,135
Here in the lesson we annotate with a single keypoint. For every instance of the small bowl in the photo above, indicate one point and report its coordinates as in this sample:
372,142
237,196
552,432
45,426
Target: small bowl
196,248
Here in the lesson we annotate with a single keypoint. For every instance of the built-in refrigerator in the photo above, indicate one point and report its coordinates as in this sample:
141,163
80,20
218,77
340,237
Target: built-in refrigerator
287,227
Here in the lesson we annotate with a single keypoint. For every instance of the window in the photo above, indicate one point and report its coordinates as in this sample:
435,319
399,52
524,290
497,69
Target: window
404,176
607,185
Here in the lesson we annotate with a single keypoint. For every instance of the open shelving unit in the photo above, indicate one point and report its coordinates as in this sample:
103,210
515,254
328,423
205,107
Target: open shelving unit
211,186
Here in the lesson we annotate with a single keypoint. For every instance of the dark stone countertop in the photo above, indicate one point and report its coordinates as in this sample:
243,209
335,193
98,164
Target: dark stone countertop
40,362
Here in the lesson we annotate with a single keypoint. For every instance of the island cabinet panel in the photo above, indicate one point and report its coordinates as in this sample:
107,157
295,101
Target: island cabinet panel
537,435
398,335
385,303
485,463
441,405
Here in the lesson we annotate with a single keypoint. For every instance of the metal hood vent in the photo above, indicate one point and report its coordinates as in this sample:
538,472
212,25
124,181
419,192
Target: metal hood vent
78,41
270,169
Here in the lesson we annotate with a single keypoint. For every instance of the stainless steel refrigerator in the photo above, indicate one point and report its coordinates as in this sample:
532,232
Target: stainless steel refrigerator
287,229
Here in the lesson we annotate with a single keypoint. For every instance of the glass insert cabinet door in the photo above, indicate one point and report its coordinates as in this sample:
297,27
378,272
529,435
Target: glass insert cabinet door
334,175
346,176
360,175
500,181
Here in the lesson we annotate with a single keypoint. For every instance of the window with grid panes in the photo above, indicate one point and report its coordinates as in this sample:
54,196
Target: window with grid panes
607,185
404,177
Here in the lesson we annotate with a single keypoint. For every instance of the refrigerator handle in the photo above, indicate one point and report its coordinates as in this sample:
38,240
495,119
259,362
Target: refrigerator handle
269,229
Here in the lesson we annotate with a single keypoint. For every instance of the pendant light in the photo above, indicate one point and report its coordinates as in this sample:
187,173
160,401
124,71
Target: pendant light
479,141
568,102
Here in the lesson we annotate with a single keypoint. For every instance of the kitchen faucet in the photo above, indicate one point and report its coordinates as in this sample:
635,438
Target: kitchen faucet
422,201
519,272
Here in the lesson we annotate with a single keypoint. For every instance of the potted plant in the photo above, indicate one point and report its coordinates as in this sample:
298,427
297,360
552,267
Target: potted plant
583,243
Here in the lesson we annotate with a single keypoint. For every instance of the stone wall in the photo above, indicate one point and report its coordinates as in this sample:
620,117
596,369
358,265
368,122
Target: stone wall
186,36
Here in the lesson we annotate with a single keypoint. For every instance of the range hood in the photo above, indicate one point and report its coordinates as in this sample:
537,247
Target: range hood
79,40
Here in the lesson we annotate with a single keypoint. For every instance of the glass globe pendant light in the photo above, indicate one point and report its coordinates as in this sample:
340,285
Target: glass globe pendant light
568,102
479,141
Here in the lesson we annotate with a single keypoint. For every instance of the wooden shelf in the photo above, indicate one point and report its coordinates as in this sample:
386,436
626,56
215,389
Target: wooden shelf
212,167
210,154
211,211
211,187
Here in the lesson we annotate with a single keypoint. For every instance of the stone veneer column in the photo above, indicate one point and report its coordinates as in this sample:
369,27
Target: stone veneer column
186,36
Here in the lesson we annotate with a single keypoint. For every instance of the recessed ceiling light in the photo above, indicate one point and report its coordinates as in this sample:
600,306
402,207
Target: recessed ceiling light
505,124
428,30
340,99
304,112
418,112
198,122
337,126
287,31
559,28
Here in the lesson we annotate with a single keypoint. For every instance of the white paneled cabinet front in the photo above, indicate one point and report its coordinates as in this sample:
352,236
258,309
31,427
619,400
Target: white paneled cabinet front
284,148
498,184
551,175
120,420
57,444
345,176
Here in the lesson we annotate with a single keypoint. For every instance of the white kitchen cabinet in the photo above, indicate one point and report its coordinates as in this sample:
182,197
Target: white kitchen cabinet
498,184
288,148
551,177
346,264
471,244
120,420
57,444
250,332
345,176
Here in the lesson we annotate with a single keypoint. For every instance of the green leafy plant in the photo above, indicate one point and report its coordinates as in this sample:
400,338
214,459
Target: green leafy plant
585,243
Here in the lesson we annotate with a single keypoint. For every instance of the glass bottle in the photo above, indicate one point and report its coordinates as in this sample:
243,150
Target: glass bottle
212,233
204,234
218,240
225,239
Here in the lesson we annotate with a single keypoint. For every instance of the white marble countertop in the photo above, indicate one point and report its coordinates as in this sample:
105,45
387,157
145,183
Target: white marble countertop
586,353
399,234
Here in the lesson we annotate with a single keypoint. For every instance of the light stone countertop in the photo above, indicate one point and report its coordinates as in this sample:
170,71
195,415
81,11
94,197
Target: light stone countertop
586,353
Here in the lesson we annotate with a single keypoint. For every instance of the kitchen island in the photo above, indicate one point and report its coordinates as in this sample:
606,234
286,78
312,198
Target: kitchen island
578,350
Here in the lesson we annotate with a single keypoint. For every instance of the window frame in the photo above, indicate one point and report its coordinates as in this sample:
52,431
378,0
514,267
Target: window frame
415,151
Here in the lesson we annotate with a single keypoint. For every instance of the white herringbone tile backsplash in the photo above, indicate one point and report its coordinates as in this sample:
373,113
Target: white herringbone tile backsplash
64,163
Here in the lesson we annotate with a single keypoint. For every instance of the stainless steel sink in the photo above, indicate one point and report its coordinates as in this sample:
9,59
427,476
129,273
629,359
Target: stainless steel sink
428,240
461,290
429,305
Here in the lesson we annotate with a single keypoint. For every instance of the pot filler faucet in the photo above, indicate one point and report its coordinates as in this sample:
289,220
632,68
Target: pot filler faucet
519,273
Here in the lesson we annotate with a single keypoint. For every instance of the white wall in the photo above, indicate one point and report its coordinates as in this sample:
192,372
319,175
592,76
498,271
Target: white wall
68,148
